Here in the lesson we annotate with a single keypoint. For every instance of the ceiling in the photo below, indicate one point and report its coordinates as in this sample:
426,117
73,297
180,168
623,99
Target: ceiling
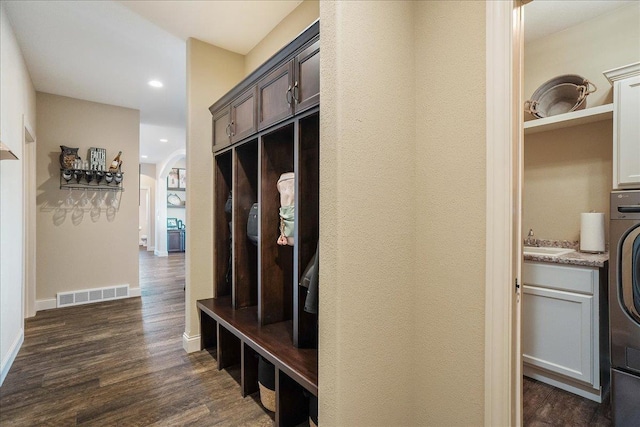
545,17
106,51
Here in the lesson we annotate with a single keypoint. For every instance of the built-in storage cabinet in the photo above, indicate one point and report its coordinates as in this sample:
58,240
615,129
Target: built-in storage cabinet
306,87
275,96
266,127
221,132
626,126
563,342
175,240
291,88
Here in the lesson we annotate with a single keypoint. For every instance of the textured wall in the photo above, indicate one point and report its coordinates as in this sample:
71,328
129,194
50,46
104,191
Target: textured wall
569,171
80,251
292,25
17,99
211,72
450,220
402,213
367,214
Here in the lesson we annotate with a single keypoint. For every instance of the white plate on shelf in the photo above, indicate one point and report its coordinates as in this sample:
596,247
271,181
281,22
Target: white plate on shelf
174,199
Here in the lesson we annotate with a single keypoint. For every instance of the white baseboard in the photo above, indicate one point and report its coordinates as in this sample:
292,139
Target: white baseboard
134,292
45,304
11,356
151,248
160,253
190,344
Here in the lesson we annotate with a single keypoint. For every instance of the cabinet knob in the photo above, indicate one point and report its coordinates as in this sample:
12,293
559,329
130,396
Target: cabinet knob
296,92
289,96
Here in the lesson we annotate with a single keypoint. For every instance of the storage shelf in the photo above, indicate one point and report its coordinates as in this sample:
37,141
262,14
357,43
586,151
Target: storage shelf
574,118
175,206
92,187
271,341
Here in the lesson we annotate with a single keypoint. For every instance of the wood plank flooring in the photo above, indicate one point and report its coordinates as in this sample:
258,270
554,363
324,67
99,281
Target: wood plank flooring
122,363
545,405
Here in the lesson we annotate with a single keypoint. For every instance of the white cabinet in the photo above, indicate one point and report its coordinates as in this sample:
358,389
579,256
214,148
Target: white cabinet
626,126
561,327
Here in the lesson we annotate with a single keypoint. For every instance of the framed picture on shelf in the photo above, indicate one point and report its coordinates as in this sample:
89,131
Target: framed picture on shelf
172,222
182,178
173,180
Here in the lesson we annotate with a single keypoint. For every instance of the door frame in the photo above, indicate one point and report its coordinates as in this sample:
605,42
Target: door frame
29,219
504,133
147,203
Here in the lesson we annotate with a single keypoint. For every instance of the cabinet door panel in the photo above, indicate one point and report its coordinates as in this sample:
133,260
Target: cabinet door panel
628,131
557,332
174,241
275,101
243,116
307,85
221,128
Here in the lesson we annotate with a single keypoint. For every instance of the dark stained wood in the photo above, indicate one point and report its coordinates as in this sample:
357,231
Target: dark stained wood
121,363
307,77
221,128
245,287
208,332
307,223
271,341
275,298
275,96
243,115
287,52
228,348
249,370
223,176
175,240
292,407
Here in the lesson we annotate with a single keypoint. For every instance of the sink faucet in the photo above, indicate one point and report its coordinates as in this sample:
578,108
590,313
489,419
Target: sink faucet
530,240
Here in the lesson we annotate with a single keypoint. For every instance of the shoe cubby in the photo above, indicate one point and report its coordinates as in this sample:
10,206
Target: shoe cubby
245,252
222,219
276,261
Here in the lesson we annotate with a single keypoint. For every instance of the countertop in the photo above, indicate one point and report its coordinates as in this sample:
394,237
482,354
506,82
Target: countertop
573,258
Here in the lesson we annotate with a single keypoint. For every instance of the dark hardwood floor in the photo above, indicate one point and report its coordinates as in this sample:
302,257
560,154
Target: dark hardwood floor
545,405
122,363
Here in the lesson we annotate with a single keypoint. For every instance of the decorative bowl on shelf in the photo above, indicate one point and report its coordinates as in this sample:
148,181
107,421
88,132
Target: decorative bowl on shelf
174,200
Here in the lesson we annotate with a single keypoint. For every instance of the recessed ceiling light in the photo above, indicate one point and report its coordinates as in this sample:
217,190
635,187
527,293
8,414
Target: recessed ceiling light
155,83
164,140
144,157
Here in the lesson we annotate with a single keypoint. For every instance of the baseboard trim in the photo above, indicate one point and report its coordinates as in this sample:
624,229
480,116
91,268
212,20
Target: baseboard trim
567,384
134,292
11,356
160,253
190,344
151,248
45,304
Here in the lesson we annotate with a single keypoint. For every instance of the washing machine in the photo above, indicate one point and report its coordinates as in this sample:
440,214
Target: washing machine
624,307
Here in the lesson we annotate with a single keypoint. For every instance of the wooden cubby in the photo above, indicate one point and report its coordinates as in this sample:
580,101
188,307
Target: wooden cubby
245,253
260,310
276,262
222,177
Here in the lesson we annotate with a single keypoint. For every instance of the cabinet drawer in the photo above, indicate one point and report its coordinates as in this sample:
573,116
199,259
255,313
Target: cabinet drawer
572,279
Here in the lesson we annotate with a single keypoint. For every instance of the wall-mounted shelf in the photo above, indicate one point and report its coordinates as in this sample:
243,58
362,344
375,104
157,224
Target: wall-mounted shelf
92,185
574,118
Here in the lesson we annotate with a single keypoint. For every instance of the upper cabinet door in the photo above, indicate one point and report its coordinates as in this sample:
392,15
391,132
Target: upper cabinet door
275,96
306,88
243,115
221,128
627,133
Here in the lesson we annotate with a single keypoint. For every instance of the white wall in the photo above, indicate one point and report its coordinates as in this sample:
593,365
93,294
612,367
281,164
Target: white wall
148,180
17,99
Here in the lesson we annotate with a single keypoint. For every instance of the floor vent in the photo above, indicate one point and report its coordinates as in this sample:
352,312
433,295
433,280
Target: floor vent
88,296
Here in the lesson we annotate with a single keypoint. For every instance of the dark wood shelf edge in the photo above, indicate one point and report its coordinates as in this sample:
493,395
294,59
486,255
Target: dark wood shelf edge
217,309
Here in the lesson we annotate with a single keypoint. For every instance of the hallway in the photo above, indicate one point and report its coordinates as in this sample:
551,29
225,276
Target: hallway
122,363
